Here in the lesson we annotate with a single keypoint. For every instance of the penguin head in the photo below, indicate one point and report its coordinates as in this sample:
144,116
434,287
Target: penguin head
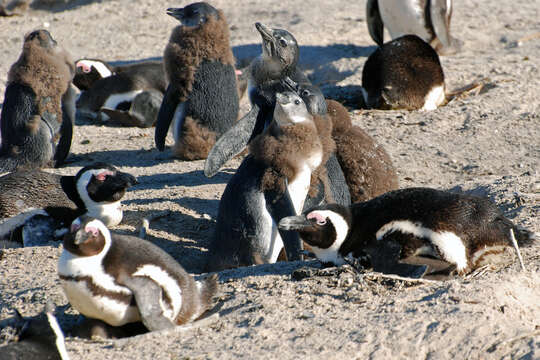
324,228
290,109
314,98
279,45
89,71
102,183
87,237
41,37
193,15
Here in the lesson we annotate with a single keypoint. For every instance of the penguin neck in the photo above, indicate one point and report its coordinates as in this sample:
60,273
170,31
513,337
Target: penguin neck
266,69
110,213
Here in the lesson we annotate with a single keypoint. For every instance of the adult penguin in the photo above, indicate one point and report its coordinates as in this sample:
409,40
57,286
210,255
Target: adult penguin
202,97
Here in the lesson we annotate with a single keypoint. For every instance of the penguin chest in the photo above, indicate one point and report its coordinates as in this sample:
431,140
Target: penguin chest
298,187
404,17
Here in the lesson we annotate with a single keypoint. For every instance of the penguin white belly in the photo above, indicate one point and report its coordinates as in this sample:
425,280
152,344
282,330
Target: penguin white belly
113,312
178,120
434,98
114,100
404,17
299,187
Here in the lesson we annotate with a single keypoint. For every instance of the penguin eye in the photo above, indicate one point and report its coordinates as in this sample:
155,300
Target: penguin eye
321,221
305,93
282,42
297,102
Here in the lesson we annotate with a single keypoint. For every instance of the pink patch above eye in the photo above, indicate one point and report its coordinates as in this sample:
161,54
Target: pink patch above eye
91,229
238,72
85,68
321,220
102,175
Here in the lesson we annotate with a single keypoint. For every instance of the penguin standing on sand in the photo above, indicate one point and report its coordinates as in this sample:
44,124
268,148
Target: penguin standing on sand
34,198
404,73
271,183
202,98
121,279
36,124
128,95
398,229
428,19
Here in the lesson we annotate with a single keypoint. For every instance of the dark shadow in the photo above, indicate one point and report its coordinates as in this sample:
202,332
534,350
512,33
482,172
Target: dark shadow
56,8
190,178
348,95
136,158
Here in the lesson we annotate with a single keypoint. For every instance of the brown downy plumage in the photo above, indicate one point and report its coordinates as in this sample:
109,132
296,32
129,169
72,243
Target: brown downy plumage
367,167
196,142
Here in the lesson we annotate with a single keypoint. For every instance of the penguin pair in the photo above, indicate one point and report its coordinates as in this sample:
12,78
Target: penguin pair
128,95
33,338
400,229
36,123
121,279
35,204
201,100
271,183
428,19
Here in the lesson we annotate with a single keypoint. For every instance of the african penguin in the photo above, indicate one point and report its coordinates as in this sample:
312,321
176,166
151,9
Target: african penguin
404,73
36,124
121,279
34,199
33,338
128,95
465,231
202,97
271,183
428,19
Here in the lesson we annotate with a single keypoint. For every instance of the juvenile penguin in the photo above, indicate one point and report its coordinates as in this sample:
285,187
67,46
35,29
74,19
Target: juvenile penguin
275,70
428,19
27,196
128,95
121,279
462,230
404,73
36,124
271,183
367,168
202,97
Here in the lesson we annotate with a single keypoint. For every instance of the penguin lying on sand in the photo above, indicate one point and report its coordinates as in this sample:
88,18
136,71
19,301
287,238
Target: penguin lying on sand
464,231
271,183
33,200
202,98
128,95
36,124
121,279
428,19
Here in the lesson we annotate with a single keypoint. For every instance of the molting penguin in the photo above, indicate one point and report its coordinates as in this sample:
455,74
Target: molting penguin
33,338
121,279
38,200
128,95
366,166
202,97
272,72
404,73
462,230
428,19
271,183
36,124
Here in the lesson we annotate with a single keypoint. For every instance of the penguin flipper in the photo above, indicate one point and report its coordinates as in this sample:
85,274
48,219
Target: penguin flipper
374,21
280,205
441,26
66,129
147,295
165,116
231,142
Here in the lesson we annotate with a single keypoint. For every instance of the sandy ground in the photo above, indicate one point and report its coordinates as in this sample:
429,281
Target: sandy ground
488,144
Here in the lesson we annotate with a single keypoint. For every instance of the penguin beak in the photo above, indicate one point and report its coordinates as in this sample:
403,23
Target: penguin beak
266,32
295,223
125,179
79,238
177,13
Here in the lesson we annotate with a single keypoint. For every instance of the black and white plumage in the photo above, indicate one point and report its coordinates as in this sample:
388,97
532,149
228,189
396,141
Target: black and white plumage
36,123
121,279
428,19
404,73
201,100
128,94
464,231
46,202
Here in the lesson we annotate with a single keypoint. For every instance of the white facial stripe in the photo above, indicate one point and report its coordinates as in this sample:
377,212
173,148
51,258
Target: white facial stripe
434,98
167,283
450,245
114,100
109,213
331,254
99,66
60,344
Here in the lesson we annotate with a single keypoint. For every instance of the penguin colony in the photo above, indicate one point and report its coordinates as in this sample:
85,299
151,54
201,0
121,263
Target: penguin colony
311,179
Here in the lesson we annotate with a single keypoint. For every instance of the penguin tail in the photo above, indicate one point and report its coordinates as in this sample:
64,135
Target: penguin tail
207,290
525,237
